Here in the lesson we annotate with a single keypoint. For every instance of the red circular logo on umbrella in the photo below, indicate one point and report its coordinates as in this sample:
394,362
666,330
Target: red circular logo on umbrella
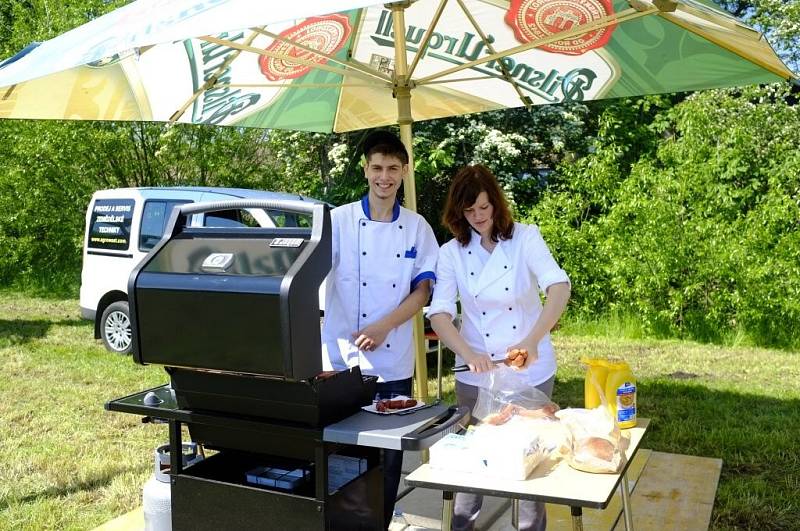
532,20
325,34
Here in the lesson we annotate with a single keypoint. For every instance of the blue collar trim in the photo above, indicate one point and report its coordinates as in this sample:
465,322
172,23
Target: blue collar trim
365,208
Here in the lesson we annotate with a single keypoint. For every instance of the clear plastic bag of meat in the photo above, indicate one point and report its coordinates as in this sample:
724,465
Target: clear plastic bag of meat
510,395
596,441
516,417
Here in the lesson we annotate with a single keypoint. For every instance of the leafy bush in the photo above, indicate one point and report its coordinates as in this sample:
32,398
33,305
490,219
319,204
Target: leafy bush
697,234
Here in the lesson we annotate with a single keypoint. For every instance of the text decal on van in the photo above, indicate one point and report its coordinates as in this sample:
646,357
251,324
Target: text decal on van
110,225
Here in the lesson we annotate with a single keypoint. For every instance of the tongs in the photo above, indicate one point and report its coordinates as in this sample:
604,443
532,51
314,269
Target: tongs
465,368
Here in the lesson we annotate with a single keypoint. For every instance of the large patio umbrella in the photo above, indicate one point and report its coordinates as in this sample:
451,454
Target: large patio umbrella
343,65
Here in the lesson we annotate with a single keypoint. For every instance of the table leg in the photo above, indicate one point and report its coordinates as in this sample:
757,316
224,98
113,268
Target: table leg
626,503
577,518
439,369
515,513
447,510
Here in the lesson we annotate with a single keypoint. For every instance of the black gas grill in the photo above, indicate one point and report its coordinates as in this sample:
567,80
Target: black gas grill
233,315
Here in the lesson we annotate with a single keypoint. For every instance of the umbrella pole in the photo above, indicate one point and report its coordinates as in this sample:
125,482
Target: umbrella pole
402,92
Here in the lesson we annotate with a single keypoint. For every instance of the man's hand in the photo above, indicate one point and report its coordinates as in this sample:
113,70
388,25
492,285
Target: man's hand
370,337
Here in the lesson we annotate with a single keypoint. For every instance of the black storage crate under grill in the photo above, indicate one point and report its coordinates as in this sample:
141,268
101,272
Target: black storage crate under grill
214,495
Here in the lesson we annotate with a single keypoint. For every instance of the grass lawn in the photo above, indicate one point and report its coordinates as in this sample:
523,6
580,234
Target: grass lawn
65,463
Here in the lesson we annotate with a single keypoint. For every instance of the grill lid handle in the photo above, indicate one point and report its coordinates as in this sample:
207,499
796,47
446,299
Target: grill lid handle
286,205
316,210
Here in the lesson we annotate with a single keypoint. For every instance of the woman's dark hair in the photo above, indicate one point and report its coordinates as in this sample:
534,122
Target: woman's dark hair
467,185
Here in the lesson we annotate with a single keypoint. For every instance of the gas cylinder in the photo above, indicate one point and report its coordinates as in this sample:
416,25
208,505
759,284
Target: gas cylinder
617,384
157,491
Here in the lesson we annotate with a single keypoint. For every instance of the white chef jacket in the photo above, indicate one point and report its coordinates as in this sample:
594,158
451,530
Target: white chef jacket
375,266
499,293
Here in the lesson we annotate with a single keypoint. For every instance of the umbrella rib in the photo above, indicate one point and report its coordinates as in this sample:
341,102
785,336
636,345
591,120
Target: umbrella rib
210,82
623,16
719,18
428,35
297,60
462,79
355,65
506,74
303,86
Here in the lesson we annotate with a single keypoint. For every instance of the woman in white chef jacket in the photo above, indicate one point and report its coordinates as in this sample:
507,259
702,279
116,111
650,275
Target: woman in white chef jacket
496,268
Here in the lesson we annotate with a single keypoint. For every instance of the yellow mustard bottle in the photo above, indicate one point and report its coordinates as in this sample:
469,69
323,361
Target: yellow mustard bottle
595,381
620,393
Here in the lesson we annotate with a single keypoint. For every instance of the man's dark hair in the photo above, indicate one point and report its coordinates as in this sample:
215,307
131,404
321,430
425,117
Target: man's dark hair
386,143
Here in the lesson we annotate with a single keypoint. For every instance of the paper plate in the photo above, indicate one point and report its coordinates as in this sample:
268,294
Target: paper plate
371,408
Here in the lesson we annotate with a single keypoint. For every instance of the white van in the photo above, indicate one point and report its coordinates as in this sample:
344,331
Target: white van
123,224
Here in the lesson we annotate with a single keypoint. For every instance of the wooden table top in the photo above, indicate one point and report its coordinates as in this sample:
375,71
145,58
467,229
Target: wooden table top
561,484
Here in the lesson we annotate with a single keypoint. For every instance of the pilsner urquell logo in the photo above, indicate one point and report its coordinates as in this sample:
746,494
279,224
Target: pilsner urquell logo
532,20
457,49
325,34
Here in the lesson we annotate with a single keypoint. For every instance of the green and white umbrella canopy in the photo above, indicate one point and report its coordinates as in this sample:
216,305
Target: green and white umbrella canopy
343,65
336,65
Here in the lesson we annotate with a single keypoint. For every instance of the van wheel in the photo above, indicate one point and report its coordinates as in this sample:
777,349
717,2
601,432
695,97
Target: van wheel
115,328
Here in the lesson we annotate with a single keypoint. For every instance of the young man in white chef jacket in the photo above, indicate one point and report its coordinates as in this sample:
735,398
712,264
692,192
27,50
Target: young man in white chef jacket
384,258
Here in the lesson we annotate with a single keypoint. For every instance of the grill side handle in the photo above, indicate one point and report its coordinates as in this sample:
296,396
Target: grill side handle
425,436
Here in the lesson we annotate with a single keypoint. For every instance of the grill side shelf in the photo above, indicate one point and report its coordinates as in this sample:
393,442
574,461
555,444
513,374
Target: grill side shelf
165,406
417,430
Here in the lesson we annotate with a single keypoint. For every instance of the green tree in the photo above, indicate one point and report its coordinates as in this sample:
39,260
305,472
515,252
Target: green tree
26,21
695,231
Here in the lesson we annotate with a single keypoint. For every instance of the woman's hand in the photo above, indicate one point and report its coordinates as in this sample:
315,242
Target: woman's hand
480,363
532,351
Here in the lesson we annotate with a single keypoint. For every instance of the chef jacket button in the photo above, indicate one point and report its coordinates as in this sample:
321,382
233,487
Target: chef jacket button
505,267
363,224
509,308
398,255
484,313
471,273
364,253
514,327
364,315
506,289
388,345
401,226
487,335
394,285
469,252
365,284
